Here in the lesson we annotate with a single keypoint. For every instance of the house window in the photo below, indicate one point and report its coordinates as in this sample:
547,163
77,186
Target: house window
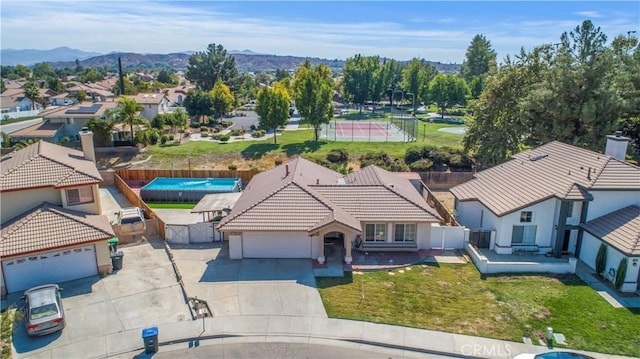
526,217
570,211
375,232
404,232
524,234
79,195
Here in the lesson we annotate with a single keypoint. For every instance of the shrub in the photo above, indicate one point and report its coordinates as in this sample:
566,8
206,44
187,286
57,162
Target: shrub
232,167
412,155
278,161
421,165
383,160
258,133
226,124
204,129
164,139
601,259
154,137
338,155
194,124
204,134
236,132
621,273
171,137
218,128
252,128
224,138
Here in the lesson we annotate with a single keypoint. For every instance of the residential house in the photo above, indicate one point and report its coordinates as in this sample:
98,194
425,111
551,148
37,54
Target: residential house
74,118
153,103
544,200
14,104
53,229
292,210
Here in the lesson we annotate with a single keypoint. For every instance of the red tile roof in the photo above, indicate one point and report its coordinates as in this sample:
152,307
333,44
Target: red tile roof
621,229
552,170
44,164
49,226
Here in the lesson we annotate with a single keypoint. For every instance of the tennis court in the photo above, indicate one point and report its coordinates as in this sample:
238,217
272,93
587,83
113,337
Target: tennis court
369,131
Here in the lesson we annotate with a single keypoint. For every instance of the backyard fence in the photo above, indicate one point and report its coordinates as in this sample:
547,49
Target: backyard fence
133,198
143,176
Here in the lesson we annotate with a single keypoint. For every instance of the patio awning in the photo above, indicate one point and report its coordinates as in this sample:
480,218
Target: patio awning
216,202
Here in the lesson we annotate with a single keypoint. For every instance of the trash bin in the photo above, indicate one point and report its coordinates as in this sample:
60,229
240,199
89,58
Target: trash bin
113,244
116,260
150,340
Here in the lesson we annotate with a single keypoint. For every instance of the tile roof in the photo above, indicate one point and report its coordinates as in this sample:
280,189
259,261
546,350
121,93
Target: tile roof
68,111
552,170
148,98
621,229
302,195
44,164
49,226
44,129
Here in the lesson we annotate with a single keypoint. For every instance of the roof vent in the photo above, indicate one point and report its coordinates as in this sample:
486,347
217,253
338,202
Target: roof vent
538,157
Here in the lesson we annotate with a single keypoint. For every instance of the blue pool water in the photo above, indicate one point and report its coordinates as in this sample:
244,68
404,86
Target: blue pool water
194,184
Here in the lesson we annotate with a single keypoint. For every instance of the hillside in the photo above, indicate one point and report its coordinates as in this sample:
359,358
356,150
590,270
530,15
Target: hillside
244,62
29,57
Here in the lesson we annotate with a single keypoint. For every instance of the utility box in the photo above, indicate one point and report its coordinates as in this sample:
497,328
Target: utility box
150,340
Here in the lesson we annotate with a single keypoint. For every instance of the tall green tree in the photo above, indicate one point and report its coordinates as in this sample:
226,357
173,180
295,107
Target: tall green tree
223,99
206,68
358,81
313,94
626,52
128,112
415,80
31,92
273,108
282,74
102,130
448,90
480,59
198,104
386,76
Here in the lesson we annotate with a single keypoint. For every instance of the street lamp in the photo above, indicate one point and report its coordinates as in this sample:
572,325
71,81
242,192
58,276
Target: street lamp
413,103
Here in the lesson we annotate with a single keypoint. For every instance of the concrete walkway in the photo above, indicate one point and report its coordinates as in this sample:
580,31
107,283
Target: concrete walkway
588,276
260,329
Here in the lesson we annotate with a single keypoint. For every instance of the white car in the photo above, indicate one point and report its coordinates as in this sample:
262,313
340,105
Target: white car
132,220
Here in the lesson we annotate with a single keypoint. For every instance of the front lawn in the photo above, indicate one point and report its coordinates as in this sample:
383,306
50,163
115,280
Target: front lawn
454,298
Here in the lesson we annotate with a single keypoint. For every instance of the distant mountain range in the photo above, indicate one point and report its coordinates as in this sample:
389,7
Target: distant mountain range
246,60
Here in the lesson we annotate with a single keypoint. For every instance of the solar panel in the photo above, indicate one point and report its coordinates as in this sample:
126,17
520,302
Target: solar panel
84,110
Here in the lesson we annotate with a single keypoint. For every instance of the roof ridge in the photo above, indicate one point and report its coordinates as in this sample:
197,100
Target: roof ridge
228,218
73,168
67,213
23,163
21,222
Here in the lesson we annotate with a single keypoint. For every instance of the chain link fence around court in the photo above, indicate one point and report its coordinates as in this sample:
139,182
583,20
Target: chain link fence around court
396,129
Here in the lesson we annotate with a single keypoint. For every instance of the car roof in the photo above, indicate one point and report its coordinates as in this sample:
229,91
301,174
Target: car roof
130,211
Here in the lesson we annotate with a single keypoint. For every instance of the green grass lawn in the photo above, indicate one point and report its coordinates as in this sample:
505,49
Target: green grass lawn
301,142
454,298
172,205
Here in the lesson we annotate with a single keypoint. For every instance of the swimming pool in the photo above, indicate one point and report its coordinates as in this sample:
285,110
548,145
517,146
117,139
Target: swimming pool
164,189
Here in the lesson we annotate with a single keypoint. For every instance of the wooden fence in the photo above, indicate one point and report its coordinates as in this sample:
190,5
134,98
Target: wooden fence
444,180
439,207
133,198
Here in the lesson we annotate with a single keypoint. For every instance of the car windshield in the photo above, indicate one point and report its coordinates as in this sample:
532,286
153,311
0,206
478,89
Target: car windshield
43,311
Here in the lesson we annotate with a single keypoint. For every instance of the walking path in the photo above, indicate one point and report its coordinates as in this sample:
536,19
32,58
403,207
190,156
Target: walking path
587,275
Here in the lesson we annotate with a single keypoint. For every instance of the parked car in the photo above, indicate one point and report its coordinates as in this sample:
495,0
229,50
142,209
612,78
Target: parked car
132,220
43,310
553,355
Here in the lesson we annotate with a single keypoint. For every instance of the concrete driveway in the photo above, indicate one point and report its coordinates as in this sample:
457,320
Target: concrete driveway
144,293
248,286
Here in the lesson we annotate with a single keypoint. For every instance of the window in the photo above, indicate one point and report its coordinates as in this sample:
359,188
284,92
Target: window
404,232
570,211
80,195
526,217
524,234
375,232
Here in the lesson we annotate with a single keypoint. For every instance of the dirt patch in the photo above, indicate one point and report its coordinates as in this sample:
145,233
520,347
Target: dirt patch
446,198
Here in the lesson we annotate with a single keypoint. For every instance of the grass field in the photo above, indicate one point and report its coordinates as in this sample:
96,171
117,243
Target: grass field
290,143
453,298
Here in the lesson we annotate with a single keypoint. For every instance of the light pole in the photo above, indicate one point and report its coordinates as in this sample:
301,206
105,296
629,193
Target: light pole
413,103
401,113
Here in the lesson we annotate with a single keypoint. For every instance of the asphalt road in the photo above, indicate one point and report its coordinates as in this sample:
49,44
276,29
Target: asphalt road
245,122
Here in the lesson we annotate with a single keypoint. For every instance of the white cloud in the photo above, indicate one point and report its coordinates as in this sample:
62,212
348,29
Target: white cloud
589,14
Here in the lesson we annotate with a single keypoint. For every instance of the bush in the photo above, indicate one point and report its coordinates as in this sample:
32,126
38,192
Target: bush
258,133
252,128
278,161
601,259
226,124
383,160
154,137
421,165
224,138
232,167
621,273
164,139
218,128
194,124
204,130
237,132
338,155
204,134
171,137
412,155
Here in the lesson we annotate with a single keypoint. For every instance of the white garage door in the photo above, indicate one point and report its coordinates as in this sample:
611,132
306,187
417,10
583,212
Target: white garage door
276,245
51,267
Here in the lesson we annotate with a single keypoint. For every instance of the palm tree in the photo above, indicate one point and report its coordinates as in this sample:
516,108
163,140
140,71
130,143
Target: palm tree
31,92
128,112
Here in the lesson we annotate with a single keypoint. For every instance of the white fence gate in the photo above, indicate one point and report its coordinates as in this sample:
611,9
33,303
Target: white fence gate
203,232
445,237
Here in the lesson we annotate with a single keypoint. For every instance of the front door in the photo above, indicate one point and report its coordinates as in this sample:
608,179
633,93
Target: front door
565,241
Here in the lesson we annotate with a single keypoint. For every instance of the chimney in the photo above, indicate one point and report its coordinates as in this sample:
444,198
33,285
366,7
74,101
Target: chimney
86,139
617,146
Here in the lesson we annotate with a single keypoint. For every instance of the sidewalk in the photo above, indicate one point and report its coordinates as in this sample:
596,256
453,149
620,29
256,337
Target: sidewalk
587,275
182,335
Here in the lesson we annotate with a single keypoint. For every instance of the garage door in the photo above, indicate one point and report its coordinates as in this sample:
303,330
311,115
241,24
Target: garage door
277,245
51,267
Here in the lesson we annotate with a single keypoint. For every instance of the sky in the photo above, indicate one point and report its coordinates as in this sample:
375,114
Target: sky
435,31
